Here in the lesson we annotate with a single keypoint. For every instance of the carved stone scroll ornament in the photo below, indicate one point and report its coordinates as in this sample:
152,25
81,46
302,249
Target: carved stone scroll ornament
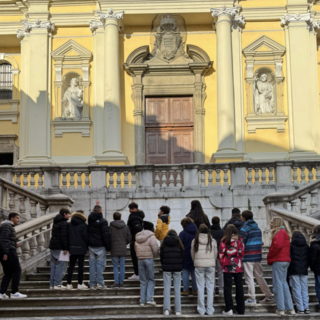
28,26
168,44
103,16
224,10
312,24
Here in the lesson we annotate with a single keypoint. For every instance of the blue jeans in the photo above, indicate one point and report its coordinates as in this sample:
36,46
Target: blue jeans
147,284
118,262
166,290
97,263
317,287
281,290
299,285
185,279
58,268
205,278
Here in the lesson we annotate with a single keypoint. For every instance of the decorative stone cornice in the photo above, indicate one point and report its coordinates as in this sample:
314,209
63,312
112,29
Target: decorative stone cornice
29,26
104,16
312,25
224,11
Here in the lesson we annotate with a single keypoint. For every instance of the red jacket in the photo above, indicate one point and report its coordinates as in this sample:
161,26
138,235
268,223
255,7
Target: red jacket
280,248
230,256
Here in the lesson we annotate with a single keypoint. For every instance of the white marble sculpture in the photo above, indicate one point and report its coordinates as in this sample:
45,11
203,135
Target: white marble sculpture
72,101
263,95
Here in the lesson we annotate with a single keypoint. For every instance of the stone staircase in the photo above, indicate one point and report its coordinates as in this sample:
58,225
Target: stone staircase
45,304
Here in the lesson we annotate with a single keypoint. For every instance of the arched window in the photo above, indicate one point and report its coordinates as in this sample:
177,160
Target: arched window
6,82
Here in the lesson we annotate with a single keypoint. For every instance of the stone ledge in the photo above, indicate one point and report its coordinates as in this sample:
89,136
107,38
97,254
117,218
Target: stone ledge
266,122
71,126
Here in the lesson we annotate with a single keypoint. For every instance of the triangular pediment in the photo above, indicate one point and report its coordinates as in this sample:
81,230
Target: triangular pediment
264,45
71,49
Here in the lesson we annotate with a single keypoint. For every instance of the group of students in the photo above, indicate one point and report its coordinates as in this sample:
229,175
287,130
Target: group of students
198,252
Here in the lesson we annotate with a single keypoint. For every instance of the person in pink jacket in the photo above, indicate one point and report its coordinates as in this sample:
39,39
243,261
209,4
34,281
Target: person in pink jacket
147,248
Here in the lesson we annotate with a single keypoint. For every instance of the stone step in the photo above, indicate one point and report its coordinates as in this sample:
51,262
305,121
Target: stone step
93,300
70,311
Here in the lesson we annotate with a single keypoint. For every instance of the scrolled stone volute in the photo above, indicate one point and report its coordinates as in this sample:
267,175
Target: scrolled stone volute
139,55
197,54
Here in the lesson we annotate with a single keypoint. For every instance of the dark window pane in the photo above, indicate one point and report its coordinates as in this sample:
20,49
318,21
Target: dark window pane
5,81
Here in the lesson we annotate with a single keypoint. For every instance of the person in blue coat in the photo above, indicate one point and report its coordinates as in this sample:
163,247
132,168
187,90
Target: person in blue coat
186,237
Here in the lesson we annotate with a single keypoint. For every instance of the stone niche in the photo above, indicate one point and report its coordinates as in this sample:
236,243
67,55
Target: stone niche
8,145
171,68
264,82
72,66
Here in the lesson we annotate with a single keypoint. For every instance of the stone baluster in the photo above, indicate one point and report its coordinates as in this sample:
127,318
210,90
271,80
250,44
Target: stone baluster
22,206
171,178
263,175
71,182
294,206
256,176
125,179
40,180
25,179
179,181
19,253
86,180
314,201
41,242
210,178
25,250
250,176
33,246
218,178
79,180
164,179
157,178
303,175
271,177
12,202
133,180
111,181
64,180
295,175
118,180
43,209
33,208
32,182
310,174
317,172
225,178
202,178
303,207
18,177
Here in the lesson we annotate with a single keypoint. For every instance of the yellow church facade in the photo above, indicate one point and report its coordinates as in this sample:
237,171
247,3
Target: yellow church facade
157,82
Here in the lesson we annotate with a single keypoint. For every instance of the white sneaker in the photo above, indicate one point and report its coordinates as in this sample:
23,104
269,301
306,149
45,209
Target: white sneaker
151,303
280,312
18,295
290,312
93,288
100,287
228,313
60,287
82,287
250,302
134,277
3,296
50,288
69,287
166,313
141,304
178,313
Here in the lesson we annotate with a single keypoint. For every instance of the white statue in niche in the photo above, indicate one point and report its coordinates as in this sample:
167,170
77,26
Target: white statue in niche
72,101
263,95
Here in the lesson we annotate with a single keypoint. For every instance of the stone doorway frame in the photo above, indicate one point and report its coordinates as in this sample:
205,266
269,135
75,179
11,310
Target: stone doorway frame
168,79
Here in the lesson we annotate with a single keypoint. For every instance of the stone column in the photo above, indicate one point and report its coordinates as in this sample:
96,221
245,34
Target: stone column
302,93
112,150
227,149
34,92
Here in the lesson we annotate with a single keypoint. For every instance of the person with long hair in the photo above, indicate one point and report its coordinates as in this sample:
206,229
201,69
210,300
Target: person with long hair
314,258
279,257
231,253
298,271
171,257
204,254
197,214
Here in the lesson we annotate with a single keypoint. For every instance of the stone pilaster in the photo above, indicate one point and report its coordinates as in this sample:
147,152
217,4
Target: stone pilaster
35,93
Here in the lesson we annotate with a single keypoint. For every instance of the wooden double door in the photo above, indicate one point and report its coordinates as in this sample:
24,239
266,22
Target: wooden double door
169,130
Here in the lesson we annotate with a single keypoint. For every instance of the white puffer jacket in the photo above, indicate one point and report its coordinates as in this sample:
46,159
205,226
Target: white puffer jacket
146,245
204,258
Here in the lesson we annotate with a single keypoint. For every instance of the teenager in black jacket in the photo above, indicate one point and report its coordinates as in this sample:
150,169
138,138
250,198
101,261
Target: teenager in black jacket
314,258
235,220
217,234
171,257
99,244
59,242
78,246
298,271
135,224
9,259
